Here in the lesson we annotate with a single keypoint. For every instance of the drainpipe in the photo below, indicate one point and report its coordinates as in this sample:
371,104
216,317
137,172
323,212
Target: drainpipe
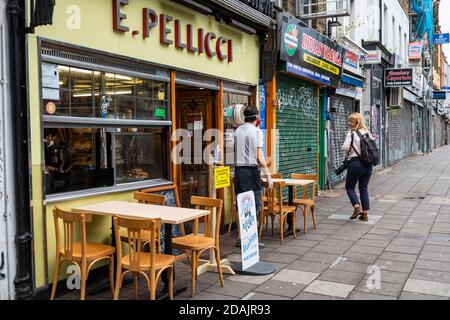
24,277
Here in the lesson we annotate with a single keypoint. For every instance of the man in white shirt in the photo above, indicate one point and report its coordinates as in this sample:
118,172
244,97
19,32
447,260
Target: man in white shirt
249,143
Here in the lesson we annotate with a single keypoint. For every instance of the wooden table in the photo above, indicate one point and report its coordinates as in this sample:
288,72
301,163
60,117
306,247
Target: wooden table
169,216
291,183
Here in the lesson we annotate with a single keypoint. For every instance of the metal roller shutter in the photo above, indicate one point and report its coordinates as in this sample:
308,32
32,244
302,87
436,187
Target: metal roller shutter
399,133
298,126
417,129
342,107
444,131
438,132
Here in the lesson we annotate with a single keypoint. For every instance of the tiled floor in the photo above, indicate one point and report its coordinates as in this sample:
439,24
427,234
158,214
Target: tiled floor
402,252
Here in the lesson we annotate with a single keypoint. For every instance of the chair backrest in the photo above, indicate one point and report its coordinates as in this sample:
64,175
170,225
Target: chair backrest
209,204
135,228
163,189
275,197
167,190
69,219
149,198
305,188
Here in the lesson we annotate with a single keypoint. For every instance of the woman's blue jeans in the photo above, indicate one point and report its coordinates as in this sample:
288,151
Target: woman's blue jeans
358,172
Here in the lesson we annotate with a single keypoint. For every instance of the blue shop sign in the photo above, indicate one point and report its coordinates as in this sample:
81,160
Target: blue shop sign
446,88
439,95
352,81
306,73
441,38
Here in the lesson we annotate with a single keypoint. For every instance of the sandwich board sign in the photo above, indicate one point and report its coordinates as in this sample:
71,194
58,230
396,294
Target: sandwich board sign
248,229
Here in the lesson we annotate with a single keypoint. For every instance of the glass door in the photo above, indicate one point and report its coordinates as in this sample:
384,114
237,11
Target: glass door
194,115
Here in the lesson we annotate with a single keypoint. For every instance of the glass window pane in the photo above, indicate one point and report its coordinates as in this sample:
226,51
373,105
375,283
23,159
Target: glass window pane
82,92
85,158
151,100
90,93
73,160
58,107
145,88
139,155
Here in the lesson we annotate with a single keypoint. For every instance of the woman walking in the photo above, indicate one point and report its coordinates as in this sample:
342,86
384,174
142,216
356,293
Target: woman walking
357,171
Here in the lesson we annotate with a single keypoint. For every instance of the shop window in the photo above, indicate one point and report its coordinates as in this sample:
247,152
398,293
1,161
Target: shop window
138,155
76,92
84,158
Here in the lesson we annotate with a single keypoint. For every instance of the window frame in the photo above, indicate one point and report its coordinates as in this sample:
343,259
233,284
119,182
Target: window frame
57,121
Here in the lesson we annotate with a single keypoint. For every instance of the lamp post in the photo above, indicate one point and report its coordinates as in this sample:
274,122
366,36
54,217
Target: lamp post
332,23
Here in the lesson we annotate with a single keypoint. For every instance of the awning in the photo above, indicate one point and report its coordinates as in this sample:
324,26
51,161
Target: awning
247,12
352,81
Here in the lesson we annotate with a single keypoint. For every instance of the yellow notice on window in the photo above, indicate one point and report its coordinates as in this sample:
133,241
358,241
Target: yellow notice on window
320,63
221,177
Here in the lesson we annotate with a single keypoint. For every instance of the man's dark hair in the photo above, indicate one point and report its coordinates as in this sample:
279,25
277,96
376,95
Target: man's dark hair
251,113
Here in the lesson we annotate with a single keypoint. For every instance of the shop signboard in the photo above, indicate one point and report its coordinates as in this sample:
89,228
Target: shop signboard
415,50
351,59
349,91
221,177
445,88
441,38
248,229
402,77
439,95
163,25
309,53
371,57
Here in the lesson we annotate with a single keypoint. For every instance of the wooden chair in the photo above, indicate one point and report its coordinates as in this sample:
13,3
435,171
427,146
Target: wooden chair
197,244
82,254
138,262
146,198
177,203
276,207
264,213
305,203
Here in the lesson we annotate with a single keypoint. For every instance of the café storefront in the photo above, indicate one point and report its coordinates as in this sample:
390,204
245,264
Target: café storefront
309,63
109,84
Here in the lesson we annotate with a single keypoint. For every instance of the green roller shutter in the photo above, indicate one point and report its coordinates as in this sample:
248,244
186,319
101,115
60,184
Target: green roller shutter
298,126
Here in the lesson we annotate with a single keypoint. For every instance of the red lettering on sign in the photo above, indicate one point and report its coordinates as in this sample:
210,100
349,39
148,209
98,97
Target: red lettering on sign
219,42
200,41
209,36
190,47
150,19
163,30
178,43
118,16
230,50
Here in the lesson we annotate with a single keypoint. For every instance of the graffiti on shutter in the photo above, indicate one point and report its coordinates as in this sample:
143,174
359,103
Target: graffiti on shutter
399,133
341,108
297,124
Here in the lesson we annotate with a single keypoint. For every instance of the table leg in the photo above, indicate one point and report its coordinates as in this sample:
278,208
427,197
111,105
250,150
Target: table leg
167,250
289,221
291,200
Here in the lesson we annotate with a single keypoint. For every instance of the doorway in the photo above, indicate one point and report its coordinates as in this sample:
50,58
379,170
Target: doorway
195,113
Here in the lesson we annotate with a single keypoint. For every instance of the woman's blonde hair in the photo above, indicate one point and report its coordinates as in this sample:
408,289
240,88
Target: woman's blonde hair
357,118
